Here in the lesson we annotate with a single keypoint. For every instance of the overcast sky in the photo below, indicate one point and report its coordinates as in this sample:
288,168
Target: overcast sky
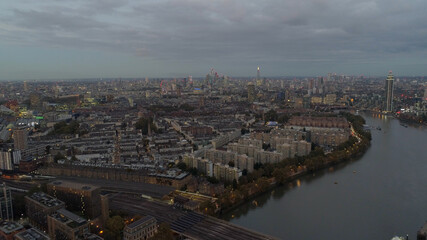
177,38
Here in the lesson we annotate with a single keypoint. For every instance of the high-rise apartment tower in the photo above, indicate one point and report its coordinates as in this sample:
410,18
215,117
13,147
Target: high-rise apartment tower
389,92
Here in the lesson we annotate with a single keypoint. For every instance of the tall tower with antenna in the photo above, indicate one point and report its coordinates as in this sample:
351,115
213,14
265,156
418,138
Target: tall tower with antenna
258,78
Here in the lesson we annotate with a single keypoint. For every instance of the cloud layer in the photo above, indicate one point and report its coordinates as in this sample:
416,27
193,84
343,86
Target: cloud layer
285,37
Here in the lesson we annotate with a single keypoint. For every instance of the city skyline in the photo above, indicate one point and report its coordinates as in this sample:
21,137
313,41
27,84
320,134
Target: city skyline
220,119
173,151
163,39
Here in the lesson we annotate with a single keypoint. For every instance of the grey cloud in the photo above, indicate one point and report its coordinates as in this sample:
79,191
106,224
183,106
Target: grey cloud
247,31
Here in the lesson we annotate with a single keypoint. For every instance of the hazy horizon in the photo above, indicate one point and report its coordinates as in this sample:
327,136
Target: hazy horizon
194,78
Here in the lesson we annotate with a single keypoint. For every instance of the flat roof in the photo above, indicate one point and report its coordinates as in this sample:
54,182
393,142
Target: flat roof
32,234
141,221
10,227
74,185
45,199
64,212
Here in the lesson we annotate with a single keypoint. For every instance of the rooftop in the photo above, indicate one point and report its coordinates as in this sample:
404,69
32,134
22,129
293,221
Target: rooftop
74,185
91,236
144,220
10,227
45,199
69,218
31,234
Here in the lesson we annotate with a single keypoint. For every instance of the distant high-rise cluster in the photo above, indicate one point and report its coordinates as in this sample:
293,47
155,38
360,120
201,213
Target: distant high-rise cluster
389,92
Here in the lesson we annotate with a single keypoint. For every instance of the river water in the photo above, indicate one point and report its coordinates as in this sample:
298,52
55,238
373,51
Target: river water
381,195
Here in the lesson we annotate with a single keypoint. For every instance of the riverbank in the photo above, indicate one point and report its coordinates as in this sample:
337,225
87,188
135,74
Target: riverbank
269,176
290,179
372,193
404,117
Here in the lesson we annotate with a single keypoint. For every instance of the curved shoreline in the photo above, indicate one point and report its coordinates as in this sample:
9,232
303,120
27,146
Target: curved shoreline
351,156
294,177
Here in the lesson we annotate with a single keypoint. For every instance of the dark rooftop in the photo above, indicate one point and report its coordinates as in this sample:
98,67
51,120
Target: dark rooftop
10,227
45,199
69,218
31,234
143,220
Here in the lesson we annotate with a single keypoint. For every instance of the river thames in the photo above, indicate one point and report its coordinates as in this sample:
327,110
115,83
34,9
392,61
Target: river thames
380,195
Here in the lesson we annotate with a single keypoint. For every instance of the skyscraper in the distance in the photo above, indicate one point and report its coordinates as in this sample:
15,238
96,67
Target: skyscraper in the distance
25,86
258,78
389,92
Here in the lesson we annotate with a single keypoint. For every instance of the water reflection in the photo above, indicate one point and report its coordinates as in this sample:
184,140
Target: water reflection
279,192
371,196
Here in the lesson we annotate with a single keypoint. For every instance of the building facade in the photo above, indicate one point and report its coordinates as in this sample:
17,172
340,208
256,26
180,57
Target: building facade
65,225
83,198
141,229
8,229
6,206
38,206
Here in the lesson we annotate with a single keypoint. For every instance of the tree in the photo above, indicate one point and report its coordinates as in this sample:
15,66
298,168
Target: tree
63,128
164,232
318,151
243,131
194,171
195,147
271,115
268,169
284,118
58,156
182,166
243,180
143,125
115,226
208,207
212,180
257,165
265,146
234,184
186,107
281,174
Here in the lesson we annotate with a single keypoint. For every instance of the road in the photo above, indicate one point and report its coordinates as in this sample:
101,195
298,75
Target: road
189,224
